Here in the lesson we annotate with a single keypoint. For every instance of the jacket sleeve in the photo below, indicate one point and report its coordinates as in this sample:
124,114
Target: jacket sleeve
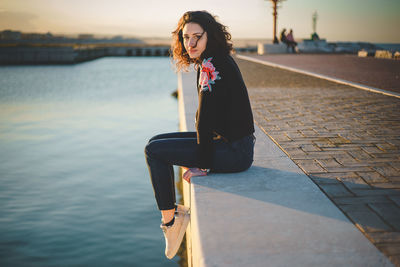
206,113
205,125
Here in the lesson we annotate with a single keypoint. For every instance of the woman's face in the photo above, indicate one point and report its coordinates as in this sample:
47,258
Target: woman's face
194,39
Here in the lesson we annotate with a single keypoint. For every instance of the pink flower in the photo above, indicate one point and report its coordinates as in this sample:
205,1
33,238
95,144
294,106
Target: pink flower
208,75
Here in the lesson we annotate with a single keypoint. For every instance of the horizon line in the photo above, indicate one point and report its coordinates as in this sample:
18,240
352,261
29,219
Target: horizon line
166,37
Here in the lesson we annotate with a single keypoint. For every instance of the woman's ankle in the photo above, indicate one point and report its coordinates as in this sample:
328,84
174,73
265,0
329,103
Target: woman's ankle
170,223
167,215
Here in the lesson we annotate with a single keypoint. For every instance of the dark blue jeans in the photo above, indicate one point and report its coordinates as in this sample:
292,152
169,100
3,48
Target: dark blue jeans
179,148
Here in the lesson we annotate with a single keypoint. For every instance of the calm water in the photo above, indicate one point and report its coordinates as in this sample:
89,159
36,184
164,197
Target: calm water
74,186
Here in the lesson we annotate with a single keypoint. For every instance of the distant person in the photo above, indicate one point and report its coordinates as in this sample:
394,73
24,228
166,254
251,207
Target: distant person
288,40
291,43
223,140
283,36
314,37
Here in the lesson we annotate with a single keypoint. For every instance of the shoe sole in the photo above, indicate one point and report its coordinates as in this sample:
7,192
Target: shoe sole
181,234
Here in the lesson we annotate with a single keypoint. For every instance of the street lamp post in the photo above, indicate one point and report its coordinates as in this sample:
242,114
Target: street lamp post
275,14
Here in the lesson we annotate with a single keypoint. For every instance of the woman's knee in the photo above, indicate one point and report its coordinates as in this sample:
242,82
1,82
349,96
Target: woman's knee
173,135
150,148
156,137
156,148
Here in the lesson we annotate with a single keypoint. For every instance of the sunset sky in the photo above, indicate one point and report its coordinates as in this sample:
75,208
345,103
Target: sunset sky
339,20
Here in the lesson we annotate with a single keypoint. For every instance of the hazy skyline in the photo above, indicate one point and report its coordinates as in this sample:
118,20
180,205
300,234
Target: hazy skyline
339,20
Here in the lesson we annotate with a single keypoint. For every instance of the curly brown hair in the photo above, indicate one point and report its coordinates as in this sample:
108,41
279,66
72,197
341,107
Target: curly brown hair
218,38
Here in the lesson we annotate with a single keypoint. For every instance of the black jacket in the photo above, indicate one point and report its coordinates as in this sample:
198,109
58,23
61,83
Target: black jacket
224,107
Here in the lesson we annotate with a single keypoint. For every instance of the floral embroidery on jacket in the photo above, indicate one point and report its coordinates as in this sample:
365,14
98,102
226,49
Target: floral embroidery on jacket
208,75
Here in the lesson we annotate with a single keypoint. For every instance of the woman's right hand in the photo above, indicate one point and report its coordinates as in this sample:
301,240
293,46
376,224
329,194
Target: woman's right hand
190,172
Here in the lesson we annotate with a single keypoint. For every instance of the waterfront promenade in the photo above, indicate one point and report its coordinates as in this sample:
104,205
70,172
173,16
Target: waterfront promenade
273,214
347,140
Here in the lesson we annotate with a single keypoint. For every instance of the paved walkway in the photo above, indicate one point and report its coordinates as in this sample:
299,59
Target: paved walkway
375,72
345,139
272,212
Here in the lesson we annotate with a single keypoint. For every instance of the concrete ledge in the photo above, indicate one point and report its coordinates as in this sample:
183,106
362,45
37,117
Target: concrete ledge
263,49
269,215
383,54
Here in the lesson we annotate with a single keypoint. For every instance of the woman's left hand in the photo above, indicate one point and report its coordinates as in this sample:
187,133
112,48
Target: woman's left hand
190,172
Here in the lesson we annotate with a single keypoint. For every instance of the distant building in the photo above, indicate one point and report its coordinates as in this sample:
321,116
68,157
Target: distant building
85,36
37,36
31,36
10,35
48,35
117,37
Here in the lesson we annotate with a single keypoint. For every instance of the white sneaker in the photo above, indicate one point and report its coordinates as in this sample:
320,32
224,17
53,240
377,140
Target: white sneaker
174,234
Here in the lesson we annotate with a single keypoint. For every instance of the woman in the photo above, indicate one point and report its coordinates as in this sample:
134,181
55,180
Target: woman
223,141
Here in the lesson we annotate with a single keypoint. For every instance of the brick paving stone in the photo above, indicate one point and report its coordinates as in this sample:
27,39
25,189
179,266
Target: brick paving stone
295,123
395,165
395,199
309,166
309,147
345,158
385,237
339,140
323,154
354,207
351,146
348,169
389,212
368,221
297,153
393,141
394,178
303,140
387,155
354,183
333,175
294,134
363,164
301,157
323,142
339,147
335,190
352,136
395,259
386,146
376,192
346,175
376,160
366,140
390,248
294,144
387,185
372,149
310,133
361,200
328,162
386,171
326,134
321,180
280,138
359,154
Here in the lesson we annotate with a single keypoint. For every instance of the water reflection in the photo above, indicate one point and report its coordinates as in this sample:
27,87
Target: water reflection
74,188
